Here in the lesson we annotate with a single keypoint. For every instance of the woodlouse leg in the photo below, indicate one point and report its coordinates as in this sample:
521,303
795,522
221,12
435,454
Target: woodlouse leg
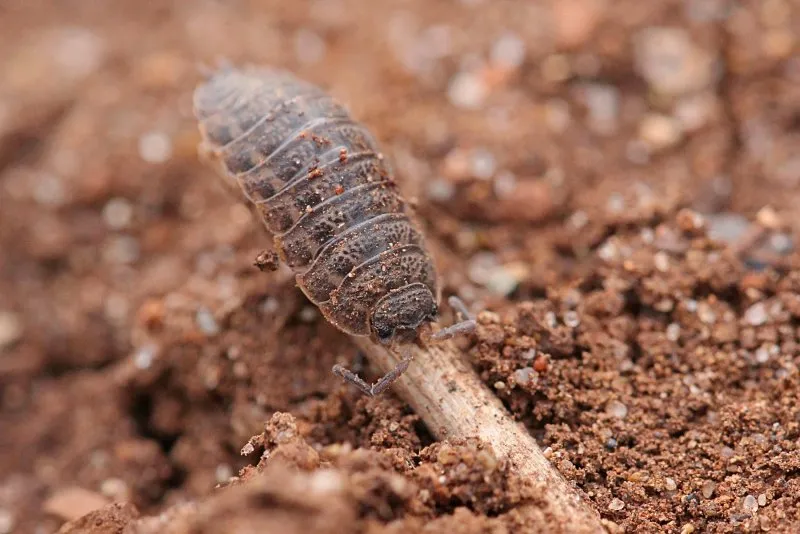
458,305
378,387
465,326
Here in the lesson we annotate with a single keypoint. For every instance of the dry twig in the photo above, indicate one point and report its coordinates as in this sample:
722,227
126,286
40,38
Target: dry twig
455,404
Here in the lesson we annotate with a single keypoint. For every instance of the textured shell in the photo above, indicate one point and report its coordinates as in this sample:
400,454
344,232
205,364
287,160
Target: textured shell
320,185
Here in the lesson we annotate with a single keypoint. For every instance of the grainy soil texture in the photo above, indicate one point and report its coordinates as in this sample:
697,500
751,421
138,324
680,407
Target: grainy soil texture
613,184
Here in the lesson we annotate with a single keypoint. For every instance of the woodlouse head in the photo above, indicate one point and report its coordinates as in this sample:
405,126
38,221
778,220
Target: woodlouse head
398,316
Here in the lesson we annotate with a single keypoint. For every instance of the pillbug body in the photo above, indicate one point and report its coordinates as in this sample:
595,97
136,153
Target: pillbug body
316,179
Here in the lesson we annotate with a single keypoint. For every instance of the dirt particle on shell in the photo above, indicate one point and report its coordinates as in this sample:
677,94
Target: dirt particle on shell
267,260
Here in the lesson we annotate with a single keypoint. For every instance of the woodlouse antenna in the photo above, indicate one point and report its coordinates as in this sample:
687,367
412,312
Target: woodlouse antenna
466,325
385,381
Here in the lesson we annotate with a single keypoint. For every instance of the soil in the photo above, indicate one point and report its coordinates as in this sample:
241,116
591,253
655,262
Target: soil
614,182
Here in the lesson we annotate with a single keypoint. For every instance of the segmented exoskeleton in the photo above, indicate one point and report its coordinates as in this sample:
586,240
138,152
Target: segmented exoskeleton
320,185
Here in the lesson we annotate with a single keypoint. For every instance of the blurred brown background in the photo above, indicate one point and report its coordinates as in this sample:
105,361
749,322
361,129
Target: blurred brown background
546,145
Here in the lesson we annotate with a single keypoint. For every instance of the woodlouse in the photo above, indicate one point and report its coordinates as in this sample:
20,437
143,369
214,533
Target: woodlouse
317,180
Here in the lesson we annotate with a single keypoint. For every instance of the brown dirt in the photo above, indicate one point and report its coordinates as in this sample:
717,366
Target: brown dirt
141,350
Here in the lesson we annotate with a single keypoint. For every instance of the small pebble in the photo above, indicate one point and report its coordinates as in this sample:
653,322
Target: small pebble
309,47
503,280
557,115
117,213
10,328
79,51
308,314
706,10
670,484
625,365
673,332
436,42
637,152
616,505
578,220
608,251
49,190
749,504
756,315
660,132
467,91
508,51
781,243
572,319
481,267
670,62
72,502
695,111
223,473
144,356
615,203
708,489
763,353
706,314
155,147
574,21
505,183
762,500
483,164
114,488
326,481
726,227
611,444
6,522
616,409
441,190
661,261
270,305
529,354
121,250
523,376
206,322
555,68
499,385
603,103
769,218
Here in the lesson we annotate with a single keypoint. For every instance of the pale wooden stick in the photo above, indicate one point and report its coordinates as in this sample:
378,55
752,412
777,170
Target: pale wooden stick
454,404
